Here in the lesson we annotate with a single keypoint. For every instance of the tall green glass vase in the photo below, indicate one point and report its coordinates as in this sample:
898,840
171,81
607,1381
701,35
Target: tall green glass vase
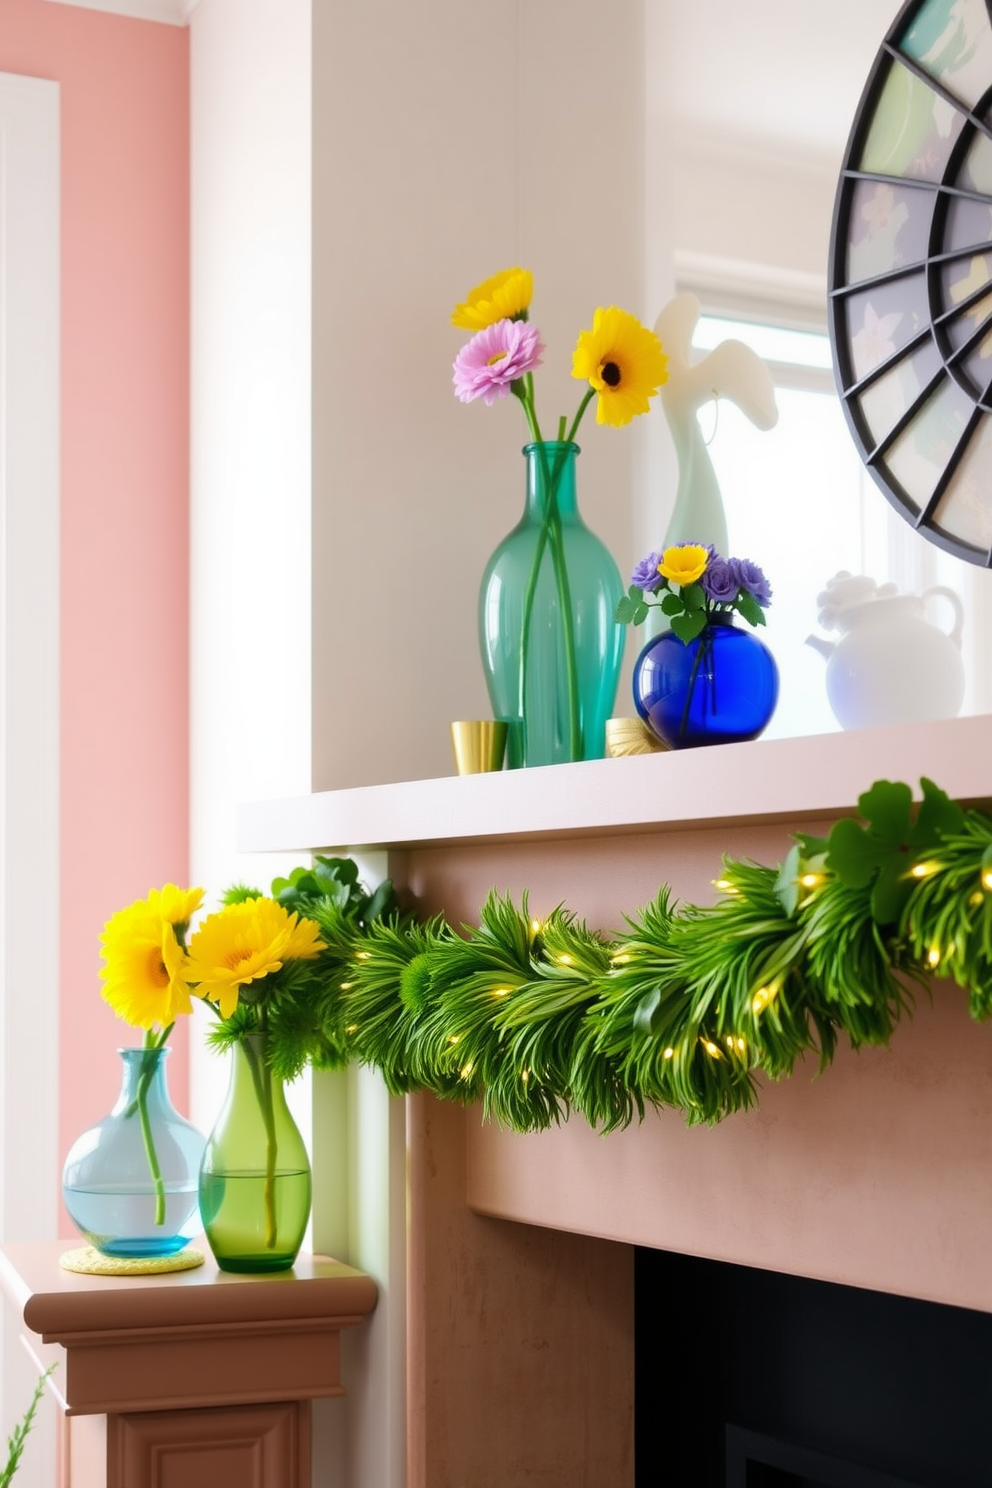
255,1186
551,650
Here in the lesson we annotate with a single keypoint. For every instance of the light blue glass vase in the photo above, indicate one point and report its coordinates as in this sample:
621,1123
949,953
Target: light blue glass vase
551,650
110,1189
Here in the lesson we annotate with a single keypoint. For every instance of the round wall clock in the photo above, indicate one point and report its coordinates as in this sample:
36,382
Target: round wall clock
910,273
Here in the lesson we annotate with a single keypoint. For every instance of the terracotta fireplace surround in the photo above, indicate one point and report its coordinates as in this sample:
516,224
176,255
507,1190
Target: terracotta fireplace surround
876,1174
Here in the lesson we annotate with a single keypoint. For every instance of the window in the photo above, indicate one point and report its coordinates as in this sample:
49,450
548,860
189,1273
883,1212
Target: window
799,502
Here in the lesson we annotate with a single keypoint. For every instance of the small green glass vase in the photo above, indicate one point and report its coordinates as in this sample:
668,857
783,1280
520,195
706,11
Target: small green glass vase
255,1185
551,650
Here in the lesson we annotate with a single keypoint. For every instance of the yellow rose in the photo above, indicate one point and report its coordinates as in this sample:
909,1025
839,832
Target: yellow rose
685,564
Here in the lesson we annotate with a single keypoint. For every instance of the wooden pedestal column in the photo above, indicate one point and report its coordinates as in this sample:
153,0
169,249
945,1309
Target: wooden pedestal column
192,1378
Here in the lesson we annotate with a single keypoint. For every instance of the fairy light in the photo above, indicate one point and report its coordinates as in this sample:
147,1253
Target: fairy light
363,955
535,927
724,885
352,1028
978,897
763,997
924,870
729,1042
933,956
565,959
621,958
466,1070
741,1045
669,1053
712,1049
987,878
346,986
454,1038
501,991
525,1075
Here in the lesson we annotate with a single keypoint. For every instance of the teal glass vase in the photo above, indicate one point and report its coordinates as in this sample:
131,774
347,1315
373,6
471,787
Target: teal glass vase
129,1183
255,1185
551,650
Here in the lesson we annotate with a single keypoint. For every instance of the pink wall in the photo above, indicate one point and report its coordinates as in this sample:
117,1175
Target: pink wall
125,455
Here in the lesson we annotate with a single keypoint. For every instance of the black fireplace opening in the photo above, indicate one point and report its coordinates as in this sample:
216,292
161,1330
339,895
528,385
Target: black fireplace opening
752,1379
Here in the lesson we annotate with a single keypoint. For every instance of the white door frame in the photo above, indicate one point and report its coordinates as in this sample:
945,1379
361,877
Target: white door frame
29,688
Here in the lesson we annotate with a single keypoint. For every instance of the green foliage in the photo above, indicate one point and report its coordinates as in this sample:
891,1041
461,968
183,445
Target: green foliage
686,1009
631,609
302,1005
883,852
15,1442
948,920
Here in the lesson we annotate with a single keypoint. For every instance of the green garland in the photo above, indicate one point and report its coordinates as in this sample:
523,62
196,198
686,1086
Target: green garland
535,1020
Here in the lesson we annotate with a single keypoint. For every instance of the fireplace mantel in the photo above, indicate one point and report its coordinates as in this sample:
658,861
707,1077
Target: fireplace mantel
765,781
875,1174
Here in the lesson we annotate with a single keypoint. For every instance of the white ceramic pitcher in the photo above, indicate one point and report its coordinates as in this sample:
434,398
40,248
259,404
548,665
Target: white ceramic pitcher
891,664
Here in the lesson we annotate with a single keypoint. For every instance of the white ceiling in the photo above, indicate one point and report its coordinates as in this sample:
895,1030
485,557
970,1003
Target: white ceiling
781,74
778,75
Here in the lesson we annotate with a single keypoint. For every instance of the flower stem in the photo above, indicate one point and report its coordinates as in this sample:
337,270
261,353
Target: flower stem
587,399
153,1046
261,1076
551,533
705,644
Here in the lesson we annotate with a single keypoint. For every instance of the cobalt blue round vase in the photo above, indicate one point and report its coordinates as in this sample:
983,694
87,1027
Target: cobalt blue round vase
720,688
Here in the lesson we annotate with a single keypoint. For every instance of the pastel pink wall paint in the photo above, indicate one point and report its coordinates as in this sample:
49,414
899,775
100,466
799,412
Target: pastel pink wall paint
125,485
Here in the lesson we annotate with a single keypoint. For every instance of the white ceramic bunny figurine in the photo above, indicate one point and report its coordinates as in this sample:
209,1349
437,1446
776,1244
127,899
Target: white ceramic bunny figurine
732,370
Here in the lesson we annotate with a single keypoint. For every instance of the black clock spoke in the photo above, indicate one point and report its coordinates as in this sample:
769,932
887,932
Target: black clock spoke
910,286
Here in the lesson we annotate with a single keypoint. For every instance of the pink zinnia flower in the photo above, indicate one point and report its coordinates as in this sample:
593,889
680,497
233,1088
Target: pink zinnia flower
497,356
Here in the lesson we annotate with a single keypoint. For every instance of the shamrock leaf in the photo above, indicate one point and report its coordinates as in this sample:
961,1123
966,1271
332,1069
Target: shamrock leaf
883,852
631,609
749,607
687,627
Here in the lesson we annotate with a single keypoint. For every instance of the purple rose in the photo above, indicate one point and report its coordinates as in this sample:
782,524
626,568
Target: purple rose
750,578
720,582
646,575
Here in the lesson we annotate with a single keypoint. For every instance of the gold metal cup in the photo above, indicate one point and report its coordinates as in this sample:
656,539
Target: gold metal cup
479,745
631,736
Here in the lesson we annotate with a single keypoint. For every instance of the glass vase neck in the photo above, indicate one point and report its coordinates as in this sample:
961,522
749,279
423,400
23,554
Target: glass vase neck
147,1064
551,473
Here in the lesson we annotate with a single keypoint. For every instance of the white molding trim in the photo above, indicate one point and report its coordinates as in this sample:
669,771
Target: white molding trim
758,291
168,12
29,683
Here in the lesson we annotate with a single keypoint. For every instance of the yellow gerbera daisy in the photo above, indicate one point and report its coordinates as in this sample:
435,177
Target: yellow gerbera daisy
623,361
144,973
178,906
244,942
506,296
684,564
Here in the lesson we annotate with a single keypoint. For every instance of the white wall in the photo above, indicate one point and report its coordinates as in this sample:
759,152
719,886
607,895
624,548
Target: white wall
451,140
250,436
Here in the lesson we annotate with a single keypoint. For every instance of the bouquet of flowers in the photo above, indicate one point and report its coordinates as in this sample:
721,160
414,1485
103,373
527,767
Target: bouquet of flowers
270,964
620,359
692,585
677,689
623,365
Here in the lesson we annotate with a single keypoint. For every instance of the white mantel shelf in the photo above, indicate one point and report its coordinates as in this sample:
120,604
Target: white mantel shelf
821,776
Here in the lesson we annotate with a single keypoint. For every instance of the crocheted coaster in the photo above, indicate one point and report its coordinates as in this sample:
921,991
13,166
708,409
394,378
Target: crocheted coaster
92,1262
